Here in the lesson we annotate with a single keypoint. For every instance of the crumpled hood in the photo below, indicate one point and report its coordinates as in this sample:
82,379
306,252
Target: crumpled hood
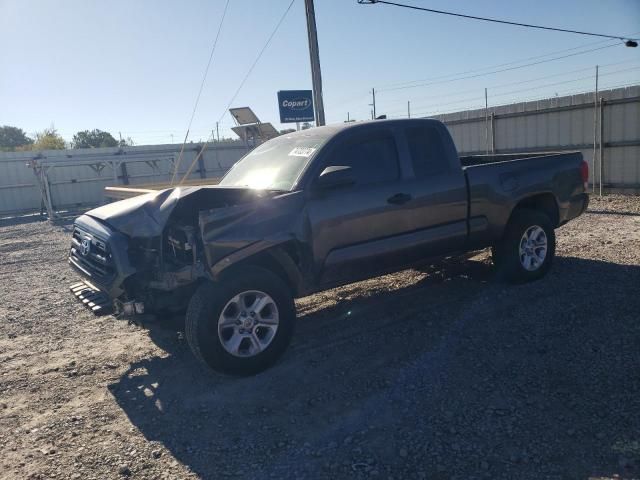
147,215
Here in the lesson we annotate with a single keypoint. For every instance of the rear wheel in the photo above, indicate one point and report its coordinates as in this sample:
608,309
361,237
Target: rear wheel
527,248
243,323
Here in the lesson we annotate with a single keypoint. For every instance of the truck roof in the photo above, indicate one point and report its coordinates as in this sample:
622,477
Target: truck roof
333,129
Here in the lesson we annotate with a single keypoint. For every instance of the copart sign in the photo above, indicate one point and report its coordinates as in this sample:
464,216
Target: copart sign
295,106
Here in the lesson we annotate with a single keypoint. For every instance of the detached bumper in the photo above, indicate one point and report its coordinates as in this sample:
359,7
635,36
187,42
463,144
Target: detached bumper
96,301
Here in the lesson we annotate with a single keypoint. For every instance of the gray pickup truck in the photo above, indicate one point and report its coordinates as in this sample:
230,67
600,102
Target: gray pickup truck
312,210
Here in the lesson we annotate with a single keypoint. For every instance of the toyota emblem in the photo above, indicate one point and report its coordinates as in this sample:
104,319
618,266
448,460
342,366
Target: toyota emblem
85,247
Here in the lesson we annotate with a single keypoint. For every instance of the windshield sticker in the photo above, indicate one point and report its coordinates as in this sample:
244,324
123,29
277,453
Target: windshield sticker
302,152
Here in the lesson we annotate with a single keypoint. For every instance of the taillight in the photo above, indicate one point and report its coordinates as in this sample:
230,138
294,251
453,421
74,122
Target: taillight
584,173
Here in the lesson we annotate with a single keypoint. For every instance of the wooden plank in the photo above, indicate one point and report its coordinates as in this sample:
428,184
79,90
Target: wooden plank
120,192
131,191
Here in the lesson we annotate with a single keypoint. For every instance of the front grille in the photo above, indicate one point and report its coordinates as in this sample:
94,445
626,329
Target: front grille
92,254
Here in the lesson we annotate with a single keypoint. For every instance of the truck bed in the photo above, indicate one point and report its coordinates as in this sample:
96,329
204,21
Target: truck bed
496,183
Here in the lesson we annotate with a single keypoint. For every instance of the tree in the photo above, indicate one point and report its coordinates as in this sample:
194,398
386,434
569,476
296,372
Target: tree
12,138
126,142
49,139
94,139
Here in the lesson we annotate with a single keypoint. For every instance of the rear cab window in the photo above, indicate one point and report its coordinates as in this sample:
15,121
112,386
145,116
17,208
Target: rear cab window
427,151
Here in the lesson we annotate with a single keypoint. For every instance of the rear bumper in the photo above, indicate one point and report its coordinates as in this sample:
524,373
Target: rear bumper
578,204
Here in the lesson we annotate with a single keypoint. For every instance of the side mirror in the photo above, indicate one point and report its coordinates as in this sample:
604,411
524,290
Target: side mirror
336,176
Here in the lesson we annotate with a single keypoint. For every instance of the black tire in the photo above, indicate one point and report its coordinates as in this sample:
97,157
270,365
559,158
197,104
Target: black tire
206,307
506,254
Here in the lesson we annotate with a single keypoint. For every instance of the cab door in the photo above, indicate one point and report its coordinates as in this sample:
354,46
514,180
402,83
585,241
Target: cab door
355,228
437,211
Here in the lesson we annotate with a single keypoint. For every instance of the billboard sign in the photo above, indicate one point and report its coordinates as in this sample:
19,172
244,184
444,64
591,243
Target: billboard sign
295,106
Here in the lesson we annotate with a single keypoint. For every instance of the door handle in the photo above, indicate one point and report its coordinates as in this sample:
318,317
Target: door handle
399,198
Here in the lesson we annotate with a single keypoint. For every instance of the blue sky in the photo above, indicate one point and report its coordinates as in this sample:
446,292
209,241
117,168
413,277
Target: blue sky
135,66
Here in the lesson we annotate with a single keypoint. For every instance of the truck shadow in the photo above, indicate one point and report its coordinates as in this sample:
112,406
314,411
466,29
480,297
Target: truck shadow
453,366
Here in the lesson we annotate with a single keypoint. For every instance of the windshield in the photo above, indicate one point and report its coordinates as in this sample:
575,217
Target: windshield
274,165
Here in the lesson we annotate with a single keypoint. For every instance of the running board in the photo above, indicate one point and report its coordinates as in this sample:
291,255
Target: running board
96,301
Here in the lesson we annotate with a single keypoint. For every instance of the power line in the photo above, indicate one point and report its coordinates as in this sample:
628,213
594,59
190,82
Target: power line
353,99
446,78
255,62
572,91
479,98
605,65
206,71
500,65
493,87
204,78
495,20
496,71
528,89
480,105
590,77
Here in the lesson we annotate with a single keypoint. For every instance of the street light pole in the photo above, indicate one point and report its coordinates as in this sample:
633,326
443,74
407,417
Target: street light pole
314,56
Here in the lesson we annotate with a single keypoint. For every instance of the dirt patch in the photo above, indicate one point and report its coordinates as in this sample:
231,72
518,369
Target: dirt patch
436,373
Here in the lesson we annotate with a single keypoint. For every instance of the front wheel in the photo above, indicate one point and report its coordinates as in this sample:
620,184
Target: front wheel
527,248
242,324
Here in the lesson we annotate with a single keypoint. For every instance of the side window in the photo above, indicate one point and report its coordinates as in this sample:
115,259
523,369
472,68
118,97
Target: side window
427,152
373,160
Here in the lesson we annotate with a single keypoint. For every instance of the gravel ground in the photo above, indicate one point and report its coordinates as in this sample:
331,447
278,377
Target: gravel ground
437,373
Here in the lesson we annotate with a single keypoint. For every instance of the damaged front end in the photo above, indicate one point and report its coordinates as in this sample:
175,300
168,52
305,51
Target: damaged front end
146,254
114,267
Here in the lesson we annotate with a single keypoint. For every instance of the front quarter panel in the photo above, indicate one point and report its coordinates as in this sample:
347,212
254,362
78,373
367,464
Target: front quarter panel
232,234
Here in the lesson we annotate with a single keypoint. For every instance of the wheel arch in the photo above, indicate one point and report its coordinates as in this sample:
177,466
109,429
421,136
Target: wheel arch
284,260
542,202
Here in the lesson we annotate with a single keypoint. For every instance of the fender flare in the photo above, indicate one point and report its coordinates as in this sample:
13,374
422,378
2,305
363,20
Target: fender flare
274,250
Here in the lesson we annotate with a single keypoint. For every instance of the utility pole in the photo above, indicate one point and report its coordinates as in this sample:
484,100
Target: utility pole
600,155
595,134
314,55
408,109
217,132
373,104
486,121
